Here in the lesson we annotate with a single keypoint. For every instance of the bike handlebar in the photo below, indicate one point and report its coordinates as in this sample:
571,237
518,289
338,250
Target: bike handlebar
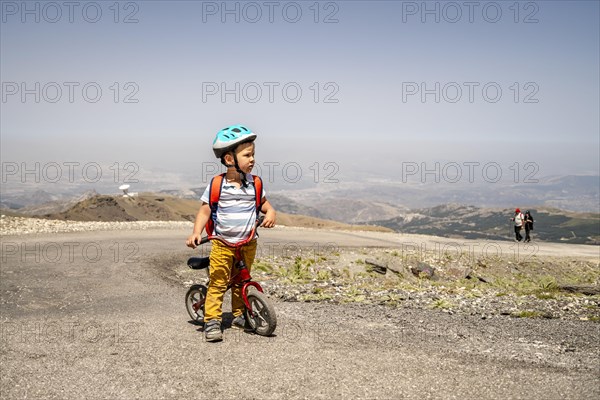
258,223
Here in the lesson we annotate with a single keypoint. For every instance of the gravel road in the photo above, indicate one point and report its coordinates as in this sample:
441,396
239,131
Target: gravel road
87,315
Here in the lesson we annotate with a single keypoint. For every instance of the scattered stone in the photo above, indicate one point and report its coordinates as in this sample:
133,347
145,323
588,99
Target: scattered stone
376,266
587,290
423,270
459,273
23,226
394,268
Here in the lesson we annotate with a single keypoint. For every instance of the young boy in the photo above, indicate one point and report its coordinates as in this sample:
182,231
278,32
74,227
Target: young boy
235,218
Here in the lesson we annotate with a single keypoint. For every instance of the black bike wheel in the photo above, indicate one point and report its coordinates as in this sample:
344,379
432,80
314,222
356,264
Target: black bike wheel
194,302
262,320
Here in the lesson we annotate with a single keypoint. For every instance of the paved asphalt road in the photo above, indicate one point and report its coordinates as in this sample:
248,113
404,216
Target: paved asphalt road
91,316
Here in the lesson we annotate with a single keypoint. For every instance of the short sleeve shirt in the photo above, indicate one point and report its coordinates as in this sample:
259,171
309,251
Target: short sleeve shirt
236,213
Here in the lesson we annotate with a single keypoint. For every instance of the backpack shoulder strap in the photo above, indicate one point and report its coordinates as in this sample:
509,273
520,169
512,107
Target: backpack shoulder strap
214,193
258,188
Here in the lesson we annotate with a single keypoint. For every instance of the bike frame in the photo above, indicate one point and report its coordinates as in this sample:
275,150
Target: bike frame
243,275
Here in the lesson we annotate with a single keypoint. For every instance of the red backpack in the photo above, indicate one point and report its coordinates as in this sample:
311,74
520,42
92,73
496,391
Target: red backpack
214,193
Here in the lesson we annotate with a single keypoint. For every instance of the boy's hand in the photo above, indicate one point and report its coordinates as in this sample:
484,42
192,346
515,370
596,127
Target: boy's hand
193,240
269,220
201,219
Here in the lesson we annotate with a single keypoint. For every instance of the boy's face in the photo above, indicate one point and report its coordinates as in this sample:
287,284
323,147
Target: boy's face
245,157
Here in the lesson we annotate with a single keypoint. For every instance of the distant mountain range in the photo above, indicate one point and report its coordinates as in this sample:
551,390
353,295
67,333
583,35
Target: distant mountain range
572,193
470,222
412,207
453,220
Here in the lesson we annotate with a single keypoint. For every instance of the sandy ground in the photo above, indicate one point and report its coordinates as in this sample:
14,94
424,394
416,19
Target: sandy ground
86,315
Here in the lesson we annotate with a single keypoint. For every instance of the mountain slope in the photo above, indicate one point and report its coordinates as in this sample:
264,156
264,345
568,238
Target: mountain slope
477,223
152,207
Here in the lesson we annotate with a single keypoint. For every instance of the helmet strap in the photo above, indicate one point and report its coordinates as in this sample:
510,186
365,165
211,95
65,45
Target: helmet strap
242,174
237,168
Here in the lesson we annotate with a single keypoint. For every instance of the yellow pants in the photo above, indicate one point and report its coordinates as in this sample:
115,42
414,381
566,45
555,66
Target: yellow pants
222,259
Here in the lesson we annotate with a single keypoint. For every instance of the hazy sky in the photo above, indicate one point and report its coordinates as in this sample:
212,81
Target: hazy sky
367,85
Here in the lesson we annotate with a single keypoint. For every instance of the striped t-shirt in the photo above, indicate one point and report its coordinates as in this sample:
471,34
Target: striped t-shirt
236,213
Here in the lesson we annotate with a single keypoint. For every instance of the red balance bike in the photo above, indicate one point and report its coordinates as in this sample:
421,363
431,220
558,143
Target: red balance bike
259,312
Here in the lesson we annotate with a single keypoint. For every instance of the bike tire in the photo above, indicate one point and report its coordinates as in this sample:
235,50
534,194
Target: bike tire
262,320
195,294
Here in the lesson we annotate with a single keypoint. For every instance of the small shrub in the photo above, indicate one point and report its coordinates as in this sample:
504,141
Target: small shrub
263,266
527,314
545,296
442,304
346,273
323,275
299,272
548,283
316,297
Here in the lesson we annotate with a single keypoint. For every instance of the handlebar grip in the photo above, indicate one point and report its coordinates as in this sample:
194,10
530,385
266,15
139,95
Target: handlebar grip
203,240
260,220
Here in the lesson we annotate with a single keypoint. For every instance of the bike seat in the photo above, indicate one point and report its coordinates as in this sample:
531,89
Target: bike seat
198,262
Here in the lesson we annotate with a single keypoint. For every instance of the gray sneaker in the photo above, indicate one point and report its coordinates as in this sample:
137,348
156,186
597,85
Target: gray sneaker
240,323
212,331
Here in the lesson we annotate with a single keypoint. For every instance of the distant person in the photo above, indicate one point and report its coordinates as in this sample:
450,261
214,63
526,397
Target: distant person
518,220
230,216
528,225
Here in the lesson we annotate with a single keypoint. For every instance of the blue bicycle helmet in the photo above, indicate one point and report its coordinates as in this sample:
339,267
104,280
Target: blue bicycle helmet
229,138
